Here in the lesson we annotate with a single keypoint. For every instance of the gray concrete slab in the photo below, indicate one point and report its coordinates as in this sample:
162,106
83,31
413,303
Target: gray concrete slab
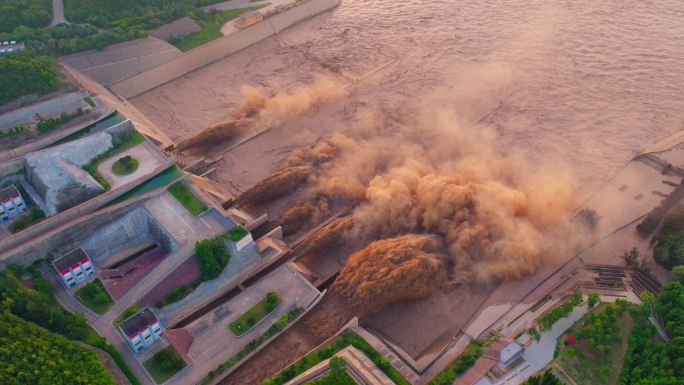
214,344
122,60
148,160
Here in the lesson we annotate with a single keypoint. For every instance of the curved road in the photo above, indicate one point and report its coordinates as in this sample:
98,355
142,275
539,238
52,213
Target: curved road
57,13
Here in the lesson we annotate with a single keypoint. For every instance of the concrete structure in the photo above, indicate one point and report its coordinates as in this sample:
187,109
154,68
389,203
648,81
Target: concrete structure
46,109
137,227
141,329
57,175
11,203
153,77
510,352
74,267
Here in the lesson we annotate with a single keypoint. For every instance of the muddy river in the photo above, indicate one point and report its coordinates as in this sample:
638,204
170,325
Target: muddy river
584,83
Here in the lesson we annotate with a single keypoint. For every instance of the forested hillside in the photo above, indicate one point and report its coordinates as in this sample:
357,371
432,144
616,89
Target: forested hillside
650,360
25,73
30,354
31,13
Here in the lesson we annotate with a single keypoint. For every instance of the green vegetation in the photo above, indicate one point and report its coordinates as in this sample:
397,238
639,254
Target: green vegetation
138,15
94,296
16,130
236,233
669,252
460,365
328,350
212,256
120,142
45,125
127,313
597,354
277,327
90,101
164,364
31,13
649,359
337,376
547,320
546,379
211,28
183,194
25,73
593,300
31,355
125,165
35,215
38,306
256,313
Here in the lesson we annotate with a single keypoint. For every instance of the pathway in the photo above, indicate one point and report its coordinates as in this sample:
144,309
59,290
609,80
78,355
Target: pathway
57,12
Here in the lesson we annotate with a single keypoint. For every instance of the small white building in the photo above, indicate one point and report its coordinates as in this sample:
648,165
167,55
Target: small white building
74,267
142,329
11,203
510,353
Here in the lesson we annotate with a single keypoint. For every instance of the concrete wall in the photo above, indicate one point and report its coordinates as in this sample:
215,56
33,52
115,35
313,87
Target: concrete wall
38,241
219,48
135,228
12,166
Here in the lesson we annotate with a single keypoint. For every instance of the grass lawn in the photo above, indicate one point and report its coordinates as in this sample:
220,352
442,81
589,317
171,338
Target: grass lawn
125,165
587,367
236,233
94,296
183,194
211,29
164,364
340,378
255,314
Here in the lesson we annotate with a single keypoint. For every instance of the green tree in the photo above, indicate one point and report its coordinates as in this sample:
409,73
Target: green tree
25,73
593,300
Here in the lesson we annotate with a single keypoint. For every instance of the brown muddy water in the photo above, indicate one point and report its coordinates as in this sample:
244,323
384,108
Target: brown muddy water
585,83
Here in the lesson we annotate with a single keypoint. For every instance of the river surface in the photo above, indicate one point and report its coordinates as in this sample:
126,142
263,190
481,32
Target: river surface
585,82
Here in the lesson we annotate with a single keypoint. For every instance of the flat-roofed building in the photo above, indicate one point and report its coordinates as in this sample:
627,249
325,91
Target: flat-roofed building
11,203
74,267
142,329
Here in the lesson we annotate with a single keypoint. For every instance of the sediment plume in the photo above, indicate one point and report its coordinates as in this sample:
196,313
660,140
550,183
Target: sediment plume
258,112
283,182
328,236
496,214
389,270
212,135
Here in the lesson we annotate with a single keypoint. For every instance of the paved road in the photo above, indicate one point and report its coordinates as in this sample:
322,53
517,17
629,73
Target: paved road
57,12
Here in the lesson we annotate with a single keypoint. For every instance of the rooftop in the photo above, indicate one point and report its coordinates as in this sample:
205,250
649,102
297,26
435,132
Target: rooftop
8,193
509,351
138,321
69,259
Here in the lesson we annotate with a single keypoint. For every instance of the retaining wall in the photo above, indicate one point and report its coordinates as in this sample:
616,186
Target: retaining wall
219,48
